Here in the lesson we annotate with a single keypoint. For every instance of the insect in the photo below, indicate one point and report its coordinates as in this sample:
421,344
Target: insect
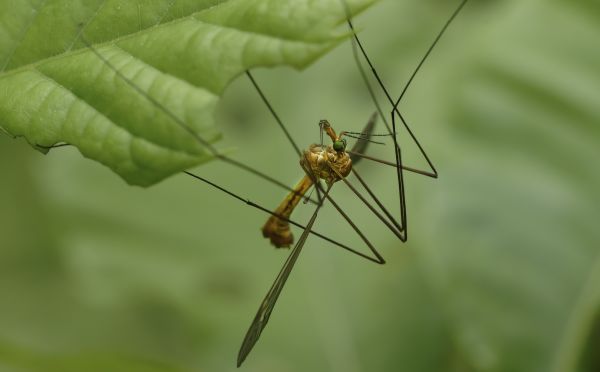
337,150
333,164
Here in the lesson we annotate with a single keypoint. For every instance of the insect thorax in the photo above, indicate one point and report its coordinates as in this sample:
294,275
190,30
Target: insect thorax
325,163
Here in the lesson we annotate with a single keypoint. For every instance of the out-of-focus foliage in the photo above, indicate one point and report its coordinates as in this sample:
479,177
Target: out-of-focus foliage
501,272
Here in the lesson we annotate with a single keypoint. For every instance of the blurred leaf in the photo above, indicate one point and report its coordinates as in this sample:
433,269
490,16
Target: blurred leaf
514,244
183,54
21,360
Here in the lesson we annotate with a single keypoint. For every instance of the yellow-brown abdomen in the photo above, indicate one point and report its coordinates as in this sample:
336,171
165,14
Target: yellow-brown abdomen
277,229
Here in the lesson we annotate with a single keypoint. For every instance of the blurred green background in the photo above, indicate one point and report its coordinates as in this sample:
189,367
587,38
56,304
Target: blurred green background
501,271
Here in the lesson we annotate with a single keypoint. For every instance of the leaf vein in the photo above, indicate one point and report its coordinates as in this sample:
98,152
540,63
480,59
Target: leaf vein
25,32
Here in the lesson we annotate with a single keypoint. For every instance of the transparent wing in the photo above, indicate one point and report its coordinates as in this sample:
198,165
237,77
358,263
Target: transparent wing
360,147
266,307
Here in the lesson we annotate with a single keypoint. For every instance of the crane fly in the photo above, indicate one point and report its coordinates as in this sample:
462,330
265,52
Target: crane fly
328,164
333,164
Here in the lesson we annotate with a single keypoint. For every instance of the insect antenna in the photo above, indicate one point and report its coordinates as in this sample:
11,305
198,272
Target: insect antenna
365,139
362,134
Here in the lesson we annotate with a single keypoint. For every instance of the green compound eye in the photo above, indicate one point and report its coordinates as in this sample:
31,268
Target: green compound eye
339,146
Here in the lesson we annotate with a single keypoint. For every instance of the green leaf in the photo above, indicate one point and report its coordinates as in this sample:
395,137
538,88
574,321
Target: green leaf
183,54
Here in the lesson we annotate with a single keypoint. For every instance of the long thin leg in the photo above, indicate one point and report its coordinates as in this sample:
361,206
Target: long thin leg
268,304
356,154
357,45
431,47
400,180
261,208
265,210
237,163
260,174
281,125
184,125
379,259
358,147
385,162
376,199
274,114
398,229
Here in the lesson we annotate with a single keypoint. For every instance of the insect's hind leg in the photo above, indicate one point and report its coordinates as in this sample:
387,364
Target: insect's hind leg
357,47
